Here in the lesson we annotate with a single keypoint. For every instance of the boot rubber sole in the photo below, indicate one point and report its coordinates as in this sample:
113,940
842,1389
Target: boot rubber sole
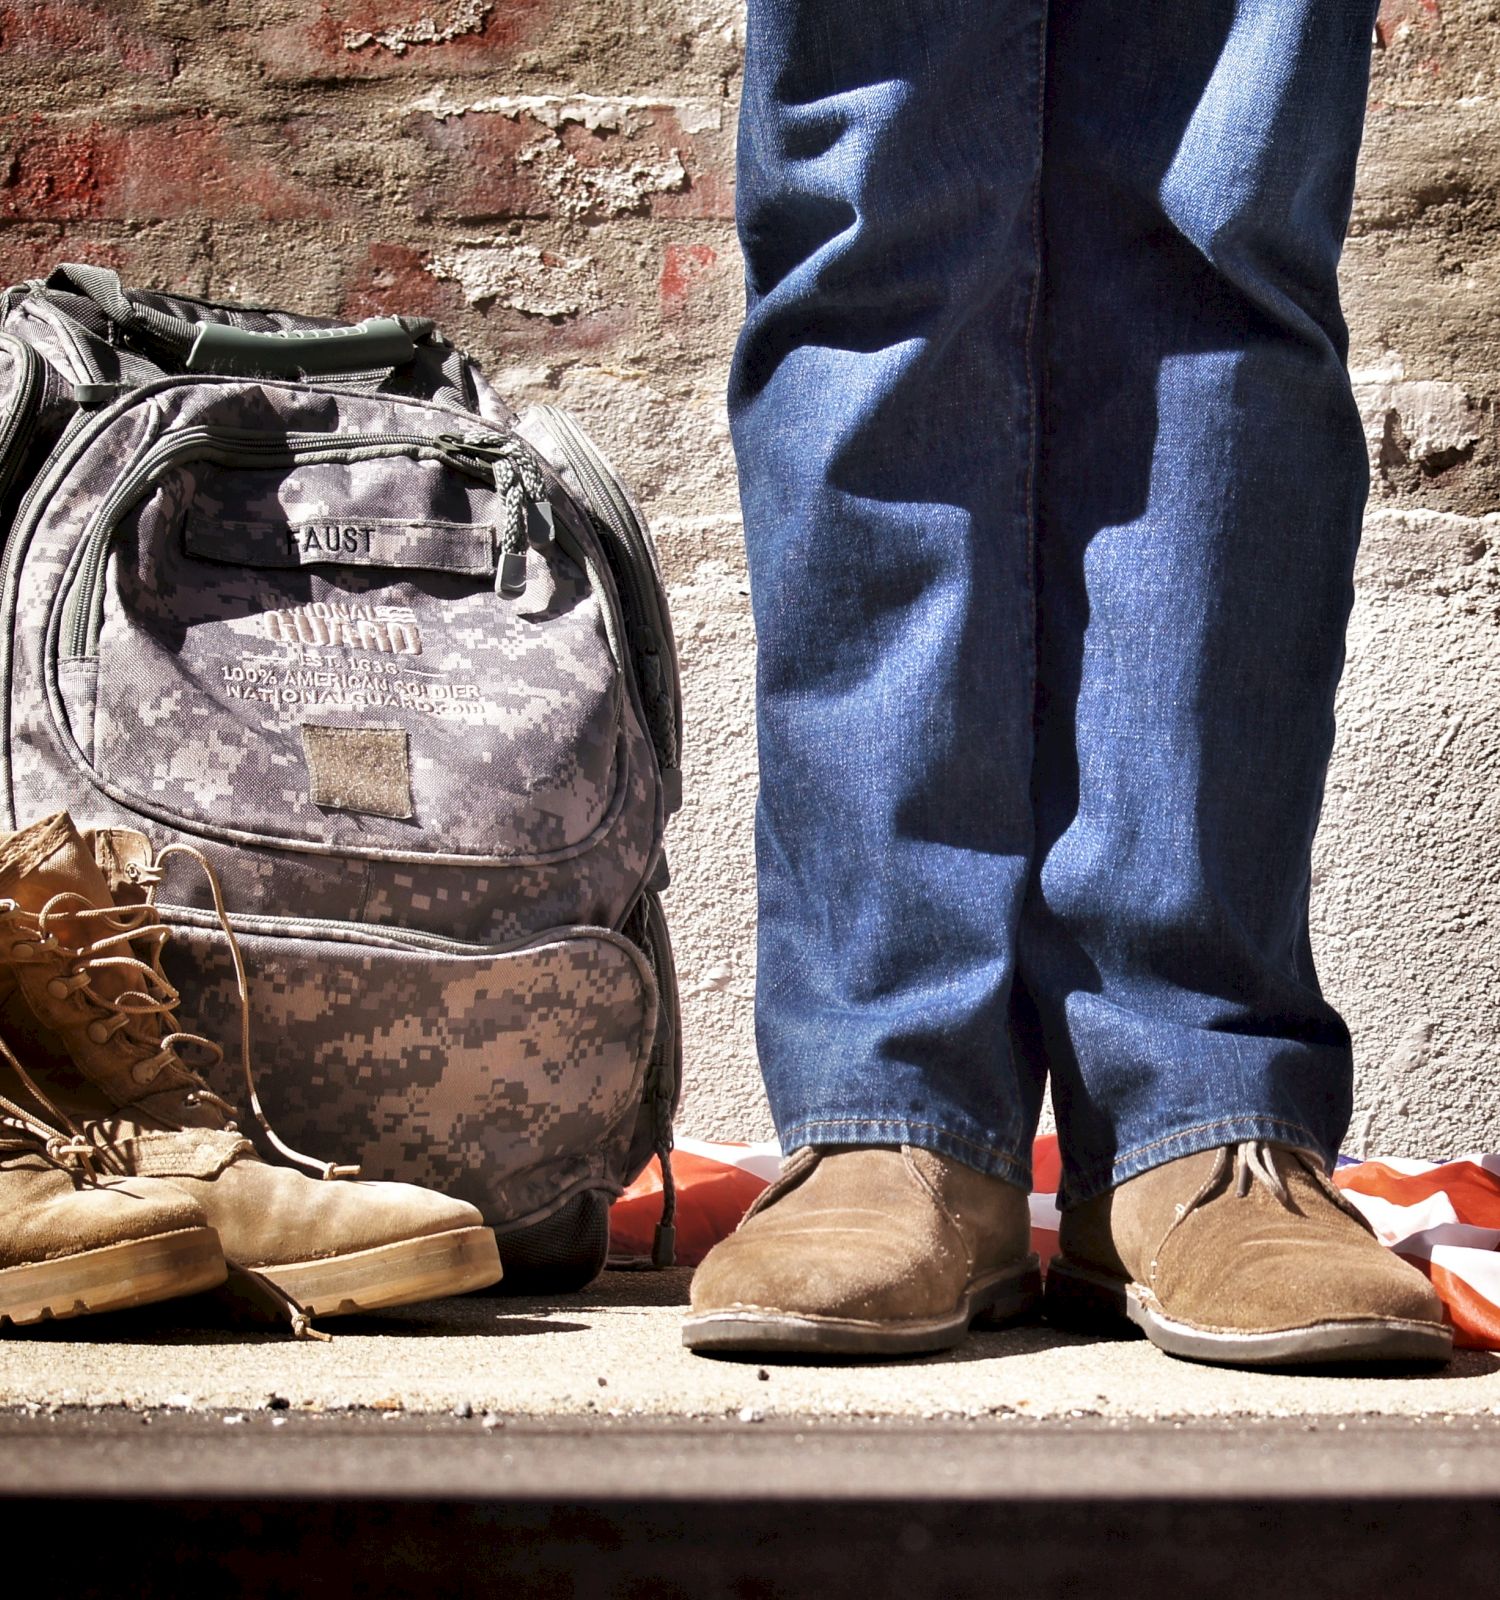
115,1277
1001,1298
426,1268
1080,1300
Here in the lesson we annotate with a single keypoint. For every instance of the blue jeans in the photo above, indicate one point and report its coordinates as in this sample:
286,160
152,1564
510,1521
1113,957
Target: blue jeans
1052,482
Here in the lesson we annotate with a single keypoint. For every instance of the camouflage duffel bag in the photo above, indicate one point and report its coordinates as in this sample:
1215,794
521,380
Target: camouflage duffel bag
314,600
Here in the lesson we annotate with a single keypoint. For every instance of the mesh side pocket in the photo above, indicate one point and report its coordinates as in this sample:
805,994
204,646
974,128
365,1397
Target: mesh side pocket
560,1255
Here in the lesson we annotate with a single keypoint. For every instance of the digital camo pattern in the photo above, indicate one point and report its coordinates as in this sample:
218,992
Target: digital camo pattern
587,999
208,670
477,904
10,387
60,347
594,882
504,1079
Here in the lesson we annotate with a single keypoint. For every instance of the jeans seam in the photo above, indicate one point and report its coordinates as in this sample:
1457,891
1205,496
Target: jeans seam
1107,1170
803,1128
1032,366
1033,387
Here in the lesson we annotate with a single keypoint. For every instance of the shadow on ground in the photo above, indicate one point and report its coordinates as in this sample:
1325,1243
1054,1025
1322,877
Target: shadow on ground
208,1320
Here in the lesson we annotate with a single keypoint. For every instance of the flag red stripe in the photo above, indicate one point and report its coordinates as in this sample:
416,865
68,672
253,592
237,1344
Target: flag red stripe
1474,1192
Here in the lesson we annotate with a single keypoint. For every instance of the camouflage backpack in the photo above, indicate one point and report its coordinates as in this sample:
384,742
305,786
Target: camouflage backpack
313,599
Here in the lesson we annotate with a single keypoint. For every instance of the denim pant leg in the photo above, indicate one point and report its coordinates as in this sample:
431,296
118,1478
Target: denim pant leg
883,405
1201,484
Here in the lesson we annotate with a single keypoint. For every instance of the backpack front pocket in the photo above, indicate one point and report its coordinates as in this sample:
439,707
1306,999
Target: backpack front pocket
337,642
509,1077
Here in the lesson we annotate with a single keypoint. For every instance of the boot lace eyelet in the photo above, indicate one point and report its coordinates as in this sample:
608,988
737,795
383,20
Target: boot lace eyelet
23,951
143,1072
99,1033
57,988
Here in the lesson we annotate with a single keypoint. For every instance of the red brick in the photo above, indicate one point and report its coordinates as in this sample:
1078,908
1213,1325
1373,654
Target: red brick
61,30
392,279
682,266
189,166
1423,14
708,195
321,47
587,334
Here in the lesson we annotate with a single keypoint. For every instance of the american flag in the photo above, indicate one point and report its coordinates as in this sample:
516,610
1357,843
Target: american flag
1443,1217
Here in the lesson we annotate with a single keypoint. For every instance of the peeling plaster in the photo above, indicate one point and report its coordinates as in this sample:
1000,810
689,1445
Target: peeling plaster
594,112
534,282
579,191
1420,420
468,16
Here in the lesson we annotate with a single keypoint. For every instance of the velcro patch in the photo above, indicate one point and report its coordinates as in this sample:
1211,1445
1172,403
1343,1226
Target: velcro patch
358,769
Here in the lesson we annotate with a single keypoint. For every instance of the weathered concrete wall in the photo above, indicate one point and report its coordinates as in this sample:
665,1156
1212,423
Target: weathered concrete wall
552,180
1407,906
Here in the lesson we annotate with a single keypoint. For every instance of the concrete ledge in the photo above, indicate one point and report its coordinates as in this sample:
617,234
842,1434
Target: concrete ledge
438,1506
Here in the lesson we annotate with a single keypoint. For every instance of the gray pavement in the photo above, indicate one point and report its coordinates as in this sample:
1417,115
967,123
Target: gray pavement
572,1448
613,1352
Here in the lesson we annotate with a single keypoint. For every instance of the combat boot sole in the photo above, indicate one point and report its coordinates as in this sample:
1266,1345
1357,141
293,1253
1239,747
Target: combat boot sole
425,1268
1082,1300
993,1301
115,1277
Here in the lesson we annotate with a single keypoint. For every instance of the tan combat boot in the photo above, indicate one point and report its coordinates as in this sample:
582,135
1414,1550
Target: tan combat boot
866,1252
1242,1256
87,1008
72,1243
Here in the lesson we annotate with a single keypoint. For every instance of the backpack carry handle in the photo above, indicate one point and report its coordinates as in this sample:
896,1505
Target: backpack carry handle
379,342
377,345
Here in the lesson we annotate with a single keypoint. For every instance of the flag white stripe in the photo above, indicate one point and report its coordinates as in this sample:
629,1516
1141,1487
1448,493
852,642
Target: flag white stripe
761,1161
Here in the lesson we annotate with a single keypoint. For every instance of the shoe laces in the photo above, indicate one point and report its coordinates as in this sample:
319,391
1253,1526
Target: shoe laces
59,1141
138,1012
1254,1163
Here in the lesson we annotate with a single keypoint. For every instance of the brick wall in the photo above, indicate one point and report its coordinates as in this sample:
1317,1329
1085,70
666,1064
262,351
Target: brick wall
552,180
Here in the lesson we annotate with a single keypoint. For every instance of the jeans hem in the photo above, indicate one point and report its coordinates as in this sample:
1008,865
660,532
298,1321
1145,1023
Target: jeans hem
994,1161
1187,1142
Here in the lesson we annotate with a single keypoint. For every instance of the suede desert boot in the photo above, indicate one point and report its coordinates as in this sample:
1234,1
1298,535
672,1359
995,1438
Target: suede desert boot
1244,1256
72,1243
87,1008
866,1252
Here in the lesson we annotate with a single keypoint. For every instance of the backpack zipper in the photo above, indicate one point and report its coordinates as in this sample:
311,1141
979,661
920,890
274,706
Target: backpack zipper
384,935
21,415
639,573
229,447
663,1084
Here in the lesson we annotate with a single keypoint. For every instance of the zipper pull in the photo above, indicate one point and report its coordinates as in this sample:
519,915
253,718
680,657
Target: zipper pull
541,522
510,566
489,449
528,515
664,1237
535,526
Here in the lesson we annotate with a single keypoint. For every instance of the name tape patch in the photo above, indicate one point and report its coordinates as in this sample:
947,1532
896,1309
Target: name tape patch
465,548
